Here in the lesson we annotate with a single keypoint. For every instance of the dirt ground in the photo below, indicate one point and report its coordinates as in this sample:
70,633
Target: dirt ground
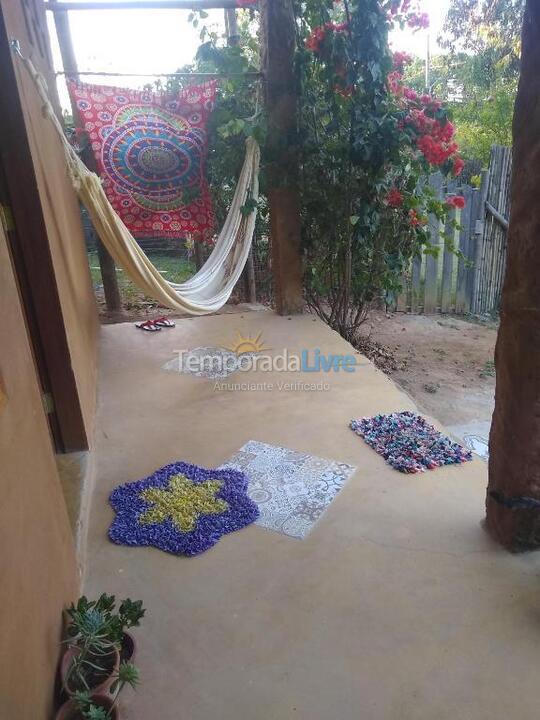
138,308
444,363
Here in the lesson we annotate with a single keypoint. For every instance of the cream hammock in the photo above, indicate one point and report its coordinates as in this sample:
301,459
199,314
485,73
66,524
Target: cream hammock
210,288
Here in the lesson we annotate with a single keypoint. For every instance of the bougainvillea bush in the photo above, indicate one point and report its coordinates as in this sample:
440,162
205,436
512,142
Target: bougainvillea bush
368,143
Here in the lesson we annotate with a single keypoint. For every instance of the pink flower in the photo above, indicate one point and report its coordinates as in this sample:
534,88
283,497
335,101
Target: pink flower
394,198
394,82
410,94
436,153
458,166
446,132
457,201
398,6
415,219
399,59
315,40
418,20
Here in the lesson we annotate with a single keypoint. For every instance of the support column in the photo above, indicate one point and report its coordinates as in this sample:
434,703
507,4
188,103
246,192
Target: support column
248,274
106,263
514,462
198,249
231,27
278,46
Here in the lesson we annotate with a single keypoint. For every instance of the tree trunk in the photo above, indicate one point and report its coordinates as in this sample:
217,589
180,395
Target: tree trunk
106,263
514,463
281,152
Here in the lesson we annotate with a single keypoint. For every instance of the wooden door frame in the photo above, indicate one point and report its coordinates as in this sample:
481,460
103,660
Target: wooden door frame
31,255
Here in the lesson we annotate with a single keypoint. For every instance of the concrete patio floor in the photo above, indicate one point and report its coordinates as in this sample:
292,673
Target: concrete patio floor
397,606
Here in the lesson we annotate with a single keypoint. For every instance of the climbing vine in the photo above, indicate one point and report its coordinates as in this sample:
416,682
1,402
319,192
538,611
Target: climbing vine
368,142
238,110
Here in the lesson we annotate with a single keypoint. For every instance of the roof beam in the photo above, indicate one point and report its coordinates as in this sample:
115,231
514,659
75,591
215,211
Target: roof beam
143,5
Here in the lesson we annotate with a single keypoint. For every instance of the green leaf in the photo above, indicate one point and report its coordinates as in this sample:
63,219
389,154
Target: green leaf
128,673
248,207
96,713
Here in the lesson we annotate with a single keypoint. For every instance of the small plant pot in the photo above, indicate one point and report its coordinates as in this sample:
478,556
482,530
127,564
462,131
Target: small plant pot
101,688
128,651
70,711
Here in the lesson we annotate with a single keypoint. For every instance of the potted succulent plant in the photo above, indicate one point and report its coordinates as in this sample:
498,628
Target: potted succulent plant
85,705
130,613
97,642
92,657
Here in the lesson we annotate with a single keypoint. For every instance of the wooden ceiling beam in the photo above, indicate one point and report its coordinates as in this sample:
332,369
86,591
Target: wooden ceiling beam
143,5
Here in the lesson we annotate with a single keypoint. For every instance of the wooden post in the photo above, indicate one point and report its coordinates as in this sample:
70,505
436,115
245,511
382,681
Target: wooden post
464,237
472,249
514,445
199,256
106,263
479,232
233,39
231,27
432,261
448,255
278,47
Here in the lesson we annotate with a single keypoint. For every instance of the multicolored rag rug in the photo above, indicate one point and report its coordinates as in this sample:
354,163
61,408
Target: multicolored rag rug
182,509
292,489
151,150
408,443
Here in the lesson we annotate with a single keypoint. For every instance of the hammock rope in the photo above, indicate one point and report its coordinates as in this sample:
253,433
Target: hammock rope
210,288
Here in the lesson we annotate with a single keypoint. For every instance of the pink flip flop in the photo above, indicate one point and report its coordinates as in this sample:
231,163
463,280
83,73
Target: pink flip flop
163,321
148,325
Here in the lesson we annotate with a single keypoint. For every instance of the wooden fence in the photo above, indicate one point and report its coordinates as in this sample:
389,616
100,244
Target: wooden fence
472,283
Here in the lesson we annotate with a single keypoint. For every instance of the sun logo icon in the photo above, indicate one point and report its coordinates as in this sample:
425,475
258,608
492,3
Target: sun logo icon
247,344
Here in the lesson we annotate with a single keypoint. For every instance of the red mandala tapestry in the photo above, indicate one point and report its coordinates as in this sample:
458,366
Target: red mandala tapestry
151,151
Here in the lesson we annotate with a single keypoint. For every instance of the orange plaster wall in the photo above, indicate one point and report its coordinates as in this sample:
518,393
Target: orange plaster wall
60,207
38,575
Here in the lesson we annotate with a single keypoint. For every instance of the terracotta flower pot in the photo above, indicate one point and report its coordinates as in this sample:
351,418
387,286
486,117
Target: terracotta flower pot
69,710
103,687
128,649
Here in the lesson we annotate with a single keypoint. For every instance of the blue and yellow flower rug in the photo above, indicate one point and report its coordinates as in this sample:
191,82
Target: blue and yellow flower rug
182,509
408,443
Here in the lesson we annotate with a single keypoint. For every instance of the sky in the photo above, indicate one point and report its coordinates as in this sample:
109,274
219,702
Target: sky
416,42
160,41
